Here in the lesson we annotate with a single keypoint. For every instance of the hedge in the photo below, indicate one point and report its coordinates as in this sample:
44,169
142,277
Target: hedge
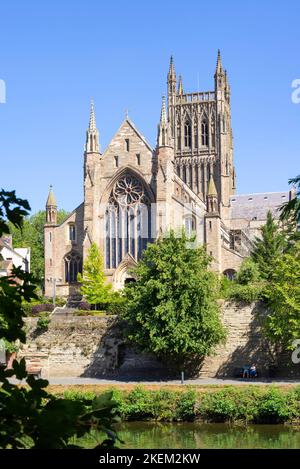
253,404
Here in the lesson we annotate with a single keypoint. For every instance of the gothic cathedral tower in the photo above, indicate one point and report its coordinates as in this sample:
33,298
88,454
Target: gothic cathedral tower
201,129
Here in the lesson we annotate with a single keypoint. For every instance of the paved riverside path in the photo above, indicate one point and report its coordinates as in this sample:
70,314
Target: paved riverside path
198,381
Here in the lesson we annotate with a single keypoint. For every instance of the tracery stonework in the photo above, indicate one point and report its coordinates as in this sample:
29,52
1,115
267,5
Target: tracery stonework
128,191
127,221
134,193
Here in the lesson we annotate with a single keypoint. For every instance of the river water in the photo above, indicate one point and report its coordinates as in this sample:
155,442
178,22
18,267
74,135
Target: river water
199,435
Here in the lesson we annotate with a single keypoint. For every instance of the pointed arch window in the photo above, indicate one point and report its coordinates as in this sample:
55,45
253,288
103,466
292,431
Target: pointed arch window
195,135
73,266
178,131
72,232
190,225
204,132
127,221
187,134
184,173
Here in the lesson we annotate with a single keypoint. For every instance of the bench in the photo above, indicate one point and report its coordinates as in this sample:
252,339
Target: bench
244,372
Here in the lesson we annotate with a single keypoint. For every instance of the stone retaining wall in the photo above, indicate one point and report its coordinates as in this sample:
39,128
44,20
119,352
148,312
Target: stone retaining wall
93,346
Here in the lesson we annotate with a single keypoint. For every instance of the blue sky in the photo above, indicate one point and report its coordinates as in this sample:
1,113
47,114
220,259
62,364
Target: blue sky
56,55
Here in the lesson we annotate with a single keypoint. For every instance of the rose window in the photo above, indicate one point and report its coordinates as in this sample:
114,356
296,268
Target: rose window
128,191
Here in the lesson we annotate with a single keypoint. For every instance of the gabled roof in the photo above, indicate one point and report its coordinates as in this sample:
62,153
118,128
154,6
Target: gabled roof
138,133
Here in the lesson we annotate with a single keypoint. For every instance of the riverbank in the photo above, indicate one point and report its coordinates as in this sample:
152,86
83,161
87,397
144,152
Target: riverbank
234,404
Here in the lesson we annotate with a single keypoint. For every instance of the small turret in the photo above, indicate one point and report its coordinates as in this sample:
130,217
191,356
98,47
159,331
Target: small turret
92,134
212,196
213,226
180,86
164,134
220,75
219,68
171,95
171,74
51,209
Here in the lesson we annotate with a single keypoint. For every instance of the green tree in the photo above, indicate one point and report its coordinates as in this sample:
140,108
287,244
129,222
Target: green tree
95,288
32,235
248,273
30,417
291,209
269,246
172,308
282,324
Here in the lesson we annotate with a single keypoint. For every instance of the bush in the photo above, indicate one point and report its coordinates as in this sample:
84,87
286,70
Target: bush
186,406
248,272
11,347
245,293
135,405
60,301
251,404
40,308
116,305
230,404
274,407
84,305
43,321
218,407
27,307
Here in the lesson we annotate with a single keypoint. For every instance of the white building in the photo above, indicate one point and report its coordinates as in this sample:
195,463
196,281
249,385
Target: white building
9,256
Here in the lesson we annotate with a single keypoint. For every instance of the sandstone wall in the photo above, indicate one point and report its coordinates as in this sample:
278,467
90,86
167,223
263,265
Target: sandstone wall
91,346
74,346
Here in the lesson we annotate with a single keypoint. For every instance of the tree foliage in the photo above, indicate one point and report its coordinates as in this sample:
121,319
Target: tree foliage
172,309
31,234
291,209
269,246
283,296
95,288
248,272
30,417
12,209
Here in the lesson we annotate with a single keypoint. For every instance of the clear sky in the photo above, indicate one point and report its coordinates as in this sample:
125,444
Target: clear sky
56,55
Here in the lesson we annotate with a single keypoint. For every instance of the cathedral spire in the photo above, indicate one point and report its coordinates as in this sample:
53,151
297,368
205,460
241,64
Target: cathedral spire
220,76
163,136
171,69
180,86
51,208
92,124
219,68
171,95
92,134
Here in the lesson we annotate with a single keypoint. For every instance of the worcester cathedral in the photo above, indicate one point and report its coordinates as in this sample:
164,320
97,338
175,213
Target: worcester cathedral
134,193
